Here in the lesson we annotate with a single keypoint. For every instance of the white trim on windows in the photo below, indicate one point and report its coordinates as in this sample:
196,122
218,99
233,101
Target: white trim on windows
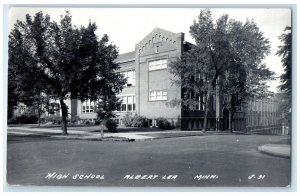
128,103
158,95
201,103
130,76
158,64
88,106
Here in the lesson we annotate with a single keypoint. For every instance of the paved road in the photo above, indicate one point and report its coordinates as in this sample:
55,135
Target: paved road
227,160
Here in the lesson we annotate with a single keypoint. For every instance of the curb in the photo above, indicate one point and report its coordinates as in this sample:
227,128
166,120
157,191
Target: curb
264,150
76,137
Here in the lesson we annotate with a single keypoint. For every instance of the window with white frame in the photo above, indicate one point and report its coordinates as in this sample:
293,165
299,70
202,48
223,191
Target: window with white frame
158,95
157,64
130,76
201,103
128,103
88,106
124,103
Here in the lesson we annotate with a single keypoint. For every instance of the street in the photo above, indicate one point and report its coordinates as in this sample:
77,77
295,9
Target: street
211,160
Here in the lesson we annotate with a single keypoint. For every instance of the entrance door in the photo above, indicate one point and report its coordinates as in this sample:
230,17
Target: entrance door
225,119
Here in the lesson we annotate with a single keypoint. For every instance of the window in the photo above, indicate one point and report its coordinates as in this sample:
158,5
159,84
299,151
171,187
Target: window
88,106
124,103
214,103
201,103
152,96
238,107
157,64
133,103
128,103
158,95
254,106
130,76
151,65
164,95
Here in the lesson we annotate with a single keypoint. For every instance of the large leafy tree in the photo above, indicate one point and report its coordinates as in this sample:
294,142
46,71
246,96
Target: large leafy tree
66,61
225,50
24,83
285,51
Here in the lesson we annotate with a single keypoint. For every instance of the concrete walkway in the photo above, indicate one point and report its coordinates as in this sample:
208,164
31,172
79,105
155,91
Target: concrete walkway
43,130
280,150
75,134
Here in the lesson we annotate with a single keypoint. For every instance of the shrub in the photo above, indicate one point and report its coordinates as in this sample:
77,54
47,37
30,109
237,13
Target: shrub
111,125
139,121
135,121
23,119
127,120
97,122
52,119
163,123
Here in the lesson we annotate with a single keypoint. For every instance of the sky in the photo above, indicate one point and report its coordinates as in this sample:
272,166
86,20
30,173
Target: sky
128,26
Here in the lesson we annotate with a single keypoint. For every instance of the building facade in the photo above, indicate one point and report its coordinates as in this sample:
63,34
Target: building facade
149,84
149,88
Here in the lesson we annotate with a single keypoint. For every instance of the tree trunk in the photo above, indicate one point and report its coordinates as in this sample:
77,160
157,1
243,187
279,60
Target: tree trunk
39,115
206,109
39,119
64,112
231,120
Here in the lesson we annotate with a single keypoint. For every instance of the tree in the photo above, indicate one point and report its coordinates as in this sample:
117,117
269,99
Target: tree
24,84
240,87
68,62
221,47
285,51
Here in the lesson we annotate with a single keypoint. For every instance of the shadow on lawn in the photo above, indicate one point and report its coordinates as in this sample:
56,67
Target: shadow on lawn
27,138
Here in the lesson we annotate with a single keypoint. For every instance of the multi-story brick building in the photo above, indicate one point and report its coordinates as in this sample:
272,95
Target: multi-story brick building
149,88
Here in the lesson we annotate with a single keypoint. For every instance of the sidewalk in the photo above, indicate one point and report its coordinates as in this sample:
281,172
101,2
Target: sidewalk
280,150
87,135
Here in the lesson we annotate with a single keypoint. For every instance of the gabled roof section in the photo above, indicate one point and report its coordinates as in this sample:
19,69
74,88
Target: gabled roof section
129,56
159,38
158,31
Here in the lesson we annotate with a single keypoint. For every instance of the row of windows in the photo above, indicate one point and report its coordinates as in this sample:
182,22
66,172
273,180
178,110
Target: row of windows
157,64
201,102
128,104
158,95
88,106
153,65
